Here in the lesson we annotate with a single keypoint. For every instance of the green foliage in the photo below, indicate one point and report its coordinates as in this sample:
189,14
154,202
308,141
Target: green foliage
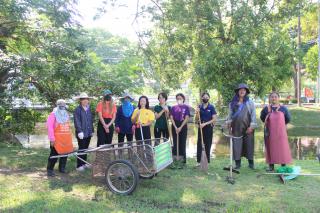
222,43
18,121
116,64
311,62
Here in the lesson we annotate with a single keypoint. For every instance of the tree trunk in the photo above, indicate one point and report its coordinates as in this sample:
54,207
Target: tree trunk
295,82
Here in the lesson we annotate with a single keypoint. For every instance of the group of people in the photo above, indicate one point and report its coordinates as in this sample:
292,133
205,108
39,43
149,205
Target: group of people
129,121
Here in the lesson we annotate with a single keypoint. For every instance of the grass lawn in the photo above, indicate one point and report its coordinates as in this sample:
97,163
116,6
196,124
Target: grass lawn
24,187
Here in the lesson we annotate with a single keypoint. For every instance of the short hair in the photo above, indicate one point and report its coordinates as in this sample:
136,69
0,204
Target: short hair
164,95
205,93
181,95
147,102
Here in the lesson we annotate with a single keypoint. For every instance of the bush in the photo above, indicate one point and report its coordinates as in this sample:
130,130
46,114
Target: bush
15,121
293,101
284,101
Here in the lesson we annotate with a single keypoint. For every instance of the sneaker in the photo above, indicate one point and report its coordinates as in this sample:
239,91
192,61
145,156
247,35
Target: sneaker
81,169
198,165
50,173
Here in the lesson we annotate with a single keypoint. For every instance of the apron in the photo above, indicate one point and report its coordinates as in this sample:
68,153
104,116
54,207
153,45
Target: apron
63,136
242,147
276,141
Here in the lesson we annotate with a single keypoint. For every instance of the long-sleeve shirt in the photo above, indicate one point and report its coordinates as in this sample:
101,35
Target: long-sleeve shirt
83,121
51,125
252,110
264,113
124,123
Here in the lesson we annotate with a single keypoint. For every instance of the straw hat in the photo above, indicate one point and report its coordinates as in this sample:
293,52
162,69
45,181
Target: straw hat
83,95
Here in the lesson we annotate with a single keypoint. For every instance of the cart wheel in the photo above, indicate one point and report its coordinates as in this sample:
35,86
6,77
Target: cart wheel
121,177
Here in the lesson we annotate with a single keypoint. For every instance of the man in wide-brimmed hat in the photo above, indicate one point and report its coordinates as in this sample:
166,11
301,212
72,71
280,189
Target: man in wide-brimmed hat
83,123
242,119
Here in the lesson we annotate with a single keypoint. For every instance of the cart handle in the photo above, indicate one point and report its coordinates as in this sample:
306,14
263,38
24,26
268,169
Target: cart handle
230,136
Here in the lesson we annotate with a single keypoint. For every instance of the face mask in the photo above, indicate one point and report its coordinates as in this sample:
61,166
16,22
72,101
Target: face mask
179,102
107,98
205,100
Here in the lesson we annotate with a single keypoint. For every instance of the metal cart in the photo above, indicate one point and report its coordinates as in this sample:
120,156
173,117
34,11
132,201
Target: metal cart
122,164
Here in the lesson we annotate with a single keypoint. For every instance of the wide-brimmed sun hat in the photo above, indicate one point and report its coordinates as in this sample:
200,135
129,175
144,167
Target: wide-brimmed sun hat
126,95
242,86
83,95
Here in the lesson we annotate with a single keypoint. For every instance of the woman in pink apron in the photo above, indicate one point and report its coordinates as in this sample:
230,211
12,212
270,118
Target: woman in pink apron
275,117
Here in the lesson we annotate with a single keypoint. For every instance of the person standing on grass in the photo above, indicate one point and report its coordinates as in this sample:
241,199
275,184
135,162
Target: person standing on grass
60,136
208,116
276,117
106,110
83,123
123,123
143,118
179,116
242,120
161,112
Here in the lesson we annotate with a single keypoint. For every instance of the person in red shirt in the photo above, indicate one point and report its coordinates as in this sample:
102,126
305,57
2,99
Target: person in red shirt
107,111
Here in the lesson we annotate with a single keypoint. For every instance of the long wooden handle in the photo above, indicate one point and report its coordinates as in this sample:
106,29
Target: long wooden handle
178,145
201,133
169,130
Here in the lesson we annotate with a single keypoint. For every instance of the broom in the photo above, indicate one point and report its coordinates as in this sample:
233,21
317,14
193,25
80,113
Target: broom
169,130
204,159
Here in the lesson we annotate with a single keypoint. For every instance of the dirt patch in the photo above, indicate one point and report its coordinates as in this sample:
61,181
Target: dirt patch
33,173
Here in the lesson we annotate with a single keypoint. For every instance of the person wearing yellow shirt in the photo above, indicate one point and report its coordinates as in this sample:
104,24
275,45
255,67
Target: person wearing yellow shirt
143,118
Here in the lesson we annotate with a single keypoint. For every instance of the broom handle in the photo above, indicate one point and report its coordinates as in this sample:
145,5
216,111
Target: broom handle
170,132
141,132
231,155
178,145
201,133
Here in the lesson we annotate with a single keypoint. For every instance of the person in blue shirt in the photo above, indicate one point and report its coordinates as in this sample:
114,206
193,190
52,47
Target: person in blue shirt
83,123
208,116
123,123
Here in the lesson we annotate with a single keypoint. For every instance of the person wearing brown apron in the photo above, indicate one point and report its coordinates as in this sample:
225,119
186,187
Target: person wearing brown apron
242,120
275,118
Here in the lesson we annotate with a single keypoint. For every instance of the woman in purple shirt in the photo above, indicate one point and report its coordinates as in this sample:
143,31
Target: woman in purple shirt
180,114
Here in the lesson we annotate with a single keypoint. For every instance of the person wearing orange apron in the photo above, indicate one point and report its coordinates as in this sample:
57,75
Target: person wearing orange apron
60,136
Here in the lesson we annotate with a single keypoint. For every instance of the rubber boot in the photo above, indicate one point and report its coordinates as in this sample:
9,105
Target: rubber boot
238,164
251,164
271,168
